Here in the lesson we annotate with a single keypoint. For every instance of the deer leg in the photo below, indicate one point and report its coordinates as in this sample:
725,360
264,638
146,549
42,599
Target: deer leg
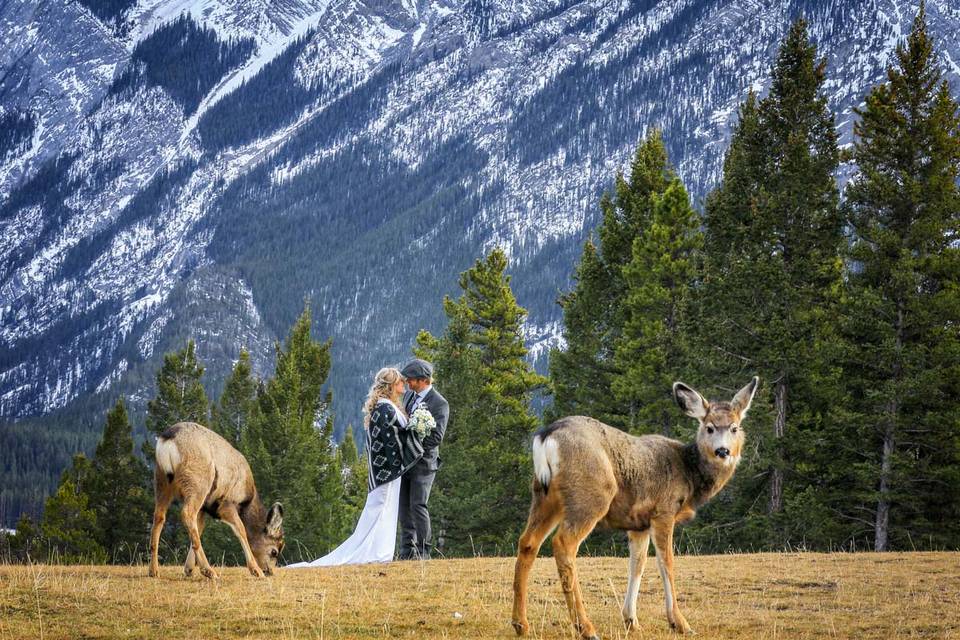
639,545
191,508
163,496
544,515
565,545
663,542
191,562
228,513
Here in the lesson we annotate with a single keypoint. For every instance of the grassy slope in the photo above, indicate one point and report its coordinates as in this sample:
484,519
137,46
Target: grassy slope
748,596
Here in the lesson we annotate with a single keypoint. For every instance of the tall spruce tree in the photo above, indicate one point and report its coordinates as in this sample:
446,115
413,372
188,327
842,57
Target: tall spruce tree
654,347
180,395
180,398
772,268
289,444
69,526
231,416
904,208
594,313
353,471
118,489
482,490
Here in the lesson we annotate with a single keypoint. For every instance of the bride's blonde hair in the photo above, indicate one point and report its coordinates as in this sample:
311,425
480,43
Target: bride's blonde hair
385,378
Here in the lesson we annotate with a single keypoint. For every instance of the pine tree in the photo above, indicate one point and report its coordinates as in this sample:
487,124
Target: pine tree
905,300
654,348
482,490
180,398
289,443
577,370
27,544
354,468
180,395
230,417
772,267
238,402
118,489
594,313
69,525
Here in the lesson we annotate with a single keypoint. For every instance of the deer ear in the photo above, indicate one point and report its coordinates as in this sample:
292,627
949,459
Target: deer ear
690,402
275,519
741,401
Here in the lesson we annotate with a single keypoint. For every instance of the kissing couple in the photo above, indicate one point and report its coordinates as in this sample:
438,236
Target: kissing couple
404,419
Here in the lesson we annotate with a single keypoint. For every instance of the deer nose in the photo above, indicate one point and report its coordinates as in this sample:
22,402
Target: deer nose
722,452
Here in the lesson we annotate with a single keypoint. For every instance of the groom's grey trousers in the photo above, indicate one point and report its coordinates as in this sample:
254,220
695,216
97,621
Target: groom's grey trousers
415,533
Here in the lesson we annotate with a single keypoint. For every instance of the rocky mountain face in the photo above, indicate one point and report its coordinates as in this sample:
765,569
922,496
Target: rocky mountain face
201,168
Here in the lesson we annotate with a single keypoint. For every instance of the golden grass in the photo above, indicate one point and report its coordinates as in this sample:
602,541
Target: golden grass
768,596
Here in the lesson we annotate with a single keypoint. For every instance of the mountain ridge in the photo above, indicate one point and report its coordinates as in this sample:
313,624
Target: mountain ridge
393,140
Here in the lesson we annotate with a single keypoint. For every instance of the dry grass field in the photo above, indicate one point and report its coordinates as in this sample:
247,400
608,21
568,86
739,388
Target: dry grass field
768,596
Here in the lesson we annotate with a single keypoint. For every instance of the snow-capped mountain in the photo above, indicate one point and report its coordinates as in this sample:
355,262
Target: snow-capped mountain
177,168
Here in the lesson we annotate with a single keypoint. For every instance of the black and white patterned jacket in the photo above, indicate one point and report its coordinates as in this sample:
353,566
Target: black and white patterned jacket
391,447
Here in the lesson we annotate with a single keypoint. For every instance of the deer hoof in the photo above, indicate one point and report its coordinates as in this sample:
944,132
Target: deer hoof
683,629
520,627
209,573
153,572
630,623
255,572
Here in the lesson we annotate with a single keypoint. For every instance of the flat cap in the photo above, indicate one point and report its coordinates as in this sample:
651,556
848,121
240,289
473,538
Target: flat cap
417,368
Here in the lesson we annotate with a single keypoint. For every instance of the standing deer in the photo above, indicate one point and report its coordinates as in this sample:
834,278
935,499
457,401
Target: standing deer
587,473
212,478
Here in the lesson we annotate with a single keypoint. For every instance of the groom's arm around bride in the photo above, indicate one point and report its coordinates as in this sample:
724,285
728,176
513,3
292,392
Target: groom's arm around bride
415,536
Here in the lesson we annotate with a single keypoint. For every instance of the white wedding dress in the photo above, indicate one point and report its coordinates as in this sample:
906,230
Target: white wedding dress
375,536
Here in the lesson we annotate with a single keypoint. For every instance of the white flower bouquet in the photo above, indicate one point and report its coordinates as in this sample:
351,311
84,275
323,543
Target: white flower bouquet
422,422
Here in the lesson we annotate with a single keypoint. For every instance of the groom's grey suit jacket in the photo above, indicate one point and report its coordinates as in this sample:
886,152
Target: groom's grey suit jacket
440,410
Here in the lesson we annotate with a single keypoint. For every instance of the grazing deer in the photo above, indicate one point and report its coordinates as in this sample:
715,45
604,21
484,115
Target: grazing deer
212,478
587,473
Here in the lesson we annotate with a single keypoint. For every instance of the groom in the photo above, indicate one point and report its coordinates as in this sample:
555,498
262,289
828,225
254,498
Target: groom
416,483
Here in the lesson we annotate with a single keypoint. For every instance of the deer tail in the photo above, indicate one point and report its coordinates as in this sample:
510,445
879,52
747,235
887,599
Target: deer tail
168,456
546,459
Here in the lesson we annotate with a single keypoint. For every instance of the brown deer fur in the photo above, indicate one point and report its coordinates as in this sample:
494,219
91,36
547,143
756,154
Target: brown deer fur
210,477
587,473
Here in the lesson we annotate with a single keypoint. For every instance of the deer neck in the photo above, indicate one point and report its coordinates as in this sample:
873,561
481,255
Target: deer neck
705,477
254,516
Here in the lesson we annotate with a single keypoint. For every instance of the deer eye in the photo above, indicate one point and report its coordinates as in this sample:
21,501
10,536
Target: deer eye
709,429
733,429
274,553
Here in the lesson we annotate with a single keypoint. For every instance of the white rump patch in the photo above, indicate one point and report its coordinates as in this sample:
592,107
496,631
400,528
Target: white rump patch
546,459
168,456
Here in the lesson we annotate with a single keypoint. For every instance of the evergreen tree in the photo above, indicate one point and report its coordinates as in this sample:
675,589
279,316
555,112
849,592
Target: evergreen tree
354,468
180,398
595,312
69,525
27,544
904,364
654,348
232,415
482,491
289,443
180,395
772,266
118,489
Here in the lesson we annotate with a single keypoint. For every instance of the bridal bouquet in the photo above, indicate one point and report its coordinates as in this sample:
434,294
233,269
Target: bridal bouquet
422,422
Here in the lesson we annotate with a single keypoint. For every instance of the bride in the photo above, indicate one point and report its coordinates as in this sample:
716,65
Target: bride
391,449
